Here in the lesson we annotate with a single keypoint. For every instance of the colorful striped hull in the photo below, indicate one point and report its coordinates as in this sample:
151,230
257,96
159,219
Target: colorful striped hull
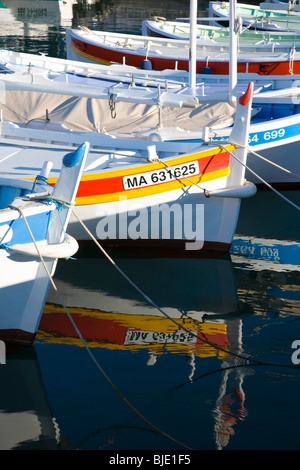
120,206
118,331
102,54
153,178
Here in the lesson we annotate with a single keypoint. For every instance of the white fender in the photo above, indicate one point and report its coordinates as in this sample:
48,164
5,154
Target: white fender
248,189
64,249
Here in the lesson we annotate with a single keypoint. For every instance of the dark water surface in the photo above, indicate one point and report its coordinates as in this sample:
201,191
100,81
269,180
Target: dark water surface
149,384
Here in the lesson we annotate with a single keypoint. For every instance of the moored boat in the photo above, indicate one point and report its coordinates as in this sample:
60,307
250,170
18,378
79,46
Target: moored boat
255,17
76,95
247,38
161,53
44,70
148,180
33,223
288,6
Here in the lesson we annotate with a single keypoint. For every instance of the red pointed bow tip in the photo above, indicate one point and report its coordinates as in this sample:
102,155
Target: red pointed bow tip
245,98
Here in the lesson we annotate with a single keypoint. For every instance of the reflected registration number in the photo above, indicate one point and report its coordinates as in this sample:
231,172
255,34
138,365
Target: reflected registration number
145,337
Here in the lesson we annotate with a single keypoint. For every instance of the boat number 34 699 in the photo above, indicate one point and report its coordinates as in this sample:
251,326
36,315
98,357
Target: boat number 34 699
266,136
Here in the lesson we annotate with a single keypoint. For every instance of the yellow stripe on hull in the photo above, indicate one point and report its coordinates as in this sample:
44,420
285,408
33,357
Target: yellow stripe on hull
152,190
91,57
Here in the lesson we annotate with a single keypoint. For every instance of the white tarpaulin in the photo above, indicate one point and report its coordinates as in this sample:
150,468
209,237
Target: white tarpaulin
90,114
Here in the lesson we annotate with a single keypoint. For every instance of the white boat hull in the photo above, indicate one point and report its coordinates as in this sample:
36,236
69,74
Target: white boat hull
169,224
141,214
142,51
258,18
275,138
32,238
24,289
216,216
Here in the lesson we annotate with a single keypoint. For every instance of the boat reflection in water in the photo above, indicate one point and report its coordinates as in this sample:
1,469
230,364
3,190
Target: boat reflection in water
201,318
39,12
26,418
36,26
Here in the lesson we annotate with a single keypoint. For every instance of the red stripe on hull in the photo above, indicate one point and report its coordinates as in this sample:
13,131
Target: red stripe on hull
92,328
111,185
218,67
107,331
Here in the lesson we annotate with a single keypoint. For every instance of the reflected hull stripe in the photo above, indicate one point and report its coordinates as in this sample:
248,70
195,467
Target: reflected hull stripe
109,330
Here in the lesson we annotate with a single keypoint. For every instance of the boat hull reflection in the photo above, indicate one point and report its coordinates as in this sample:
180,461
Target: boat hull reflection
132,332
27,421
197,318
110,313
180,287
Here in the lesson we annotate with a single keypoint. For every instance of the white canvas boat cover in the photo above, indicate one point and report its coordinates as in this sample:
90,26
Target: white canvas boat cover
91,114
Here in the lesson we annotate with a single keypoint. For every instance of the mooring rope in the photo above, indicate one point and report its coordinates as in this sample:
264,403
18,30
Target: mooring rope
231,353
206,192
155,428
262,180
243,357
273,164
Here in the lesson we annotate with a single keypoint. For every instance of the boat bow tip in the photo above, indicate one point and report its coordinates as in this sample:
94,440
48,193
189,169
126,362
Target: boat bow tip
247,96
73,158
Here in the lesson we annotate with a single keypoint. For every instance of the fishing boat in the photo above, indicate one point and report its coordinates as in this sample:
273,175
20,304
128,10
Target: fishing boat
282,2
138,173
88,91
38,69
247,39
285,4
279,6
255,17
45,70
162,53
33,223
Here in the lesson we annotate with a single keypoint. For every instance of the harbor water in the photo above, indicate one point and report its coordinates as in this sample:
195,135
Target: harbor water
141,380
